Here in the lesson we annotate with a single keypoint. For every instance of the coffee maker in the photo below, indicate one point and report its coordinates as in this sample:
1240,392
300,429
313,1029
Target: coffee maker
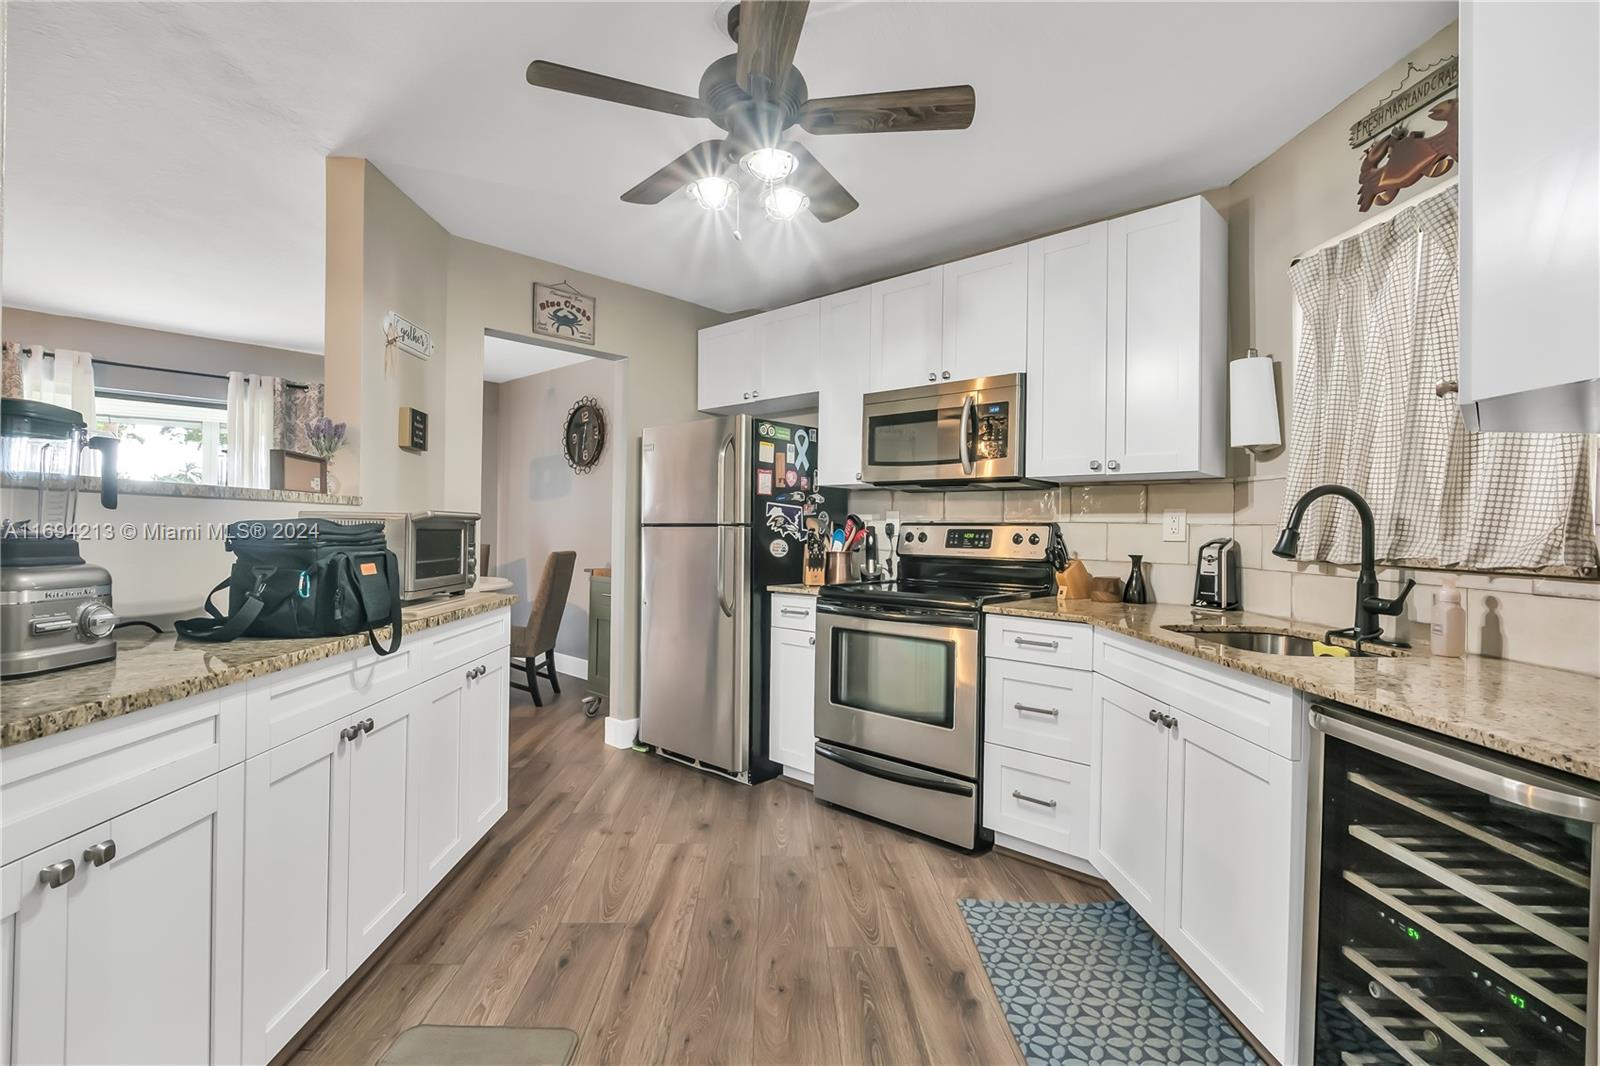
55,609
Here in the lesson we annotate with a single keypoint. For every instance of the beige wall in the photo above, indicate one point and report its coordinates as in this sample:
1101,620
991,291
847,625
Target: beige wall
384,253
490,288
540,503
1295,199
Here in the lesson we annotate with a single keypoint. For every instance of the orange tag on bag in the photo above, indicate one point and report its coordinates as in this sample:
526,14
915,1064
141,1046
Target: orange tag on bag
368,569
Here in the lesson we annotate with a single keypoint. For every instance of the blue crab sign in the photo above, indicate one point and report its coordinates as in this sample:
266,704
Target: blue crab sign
562,312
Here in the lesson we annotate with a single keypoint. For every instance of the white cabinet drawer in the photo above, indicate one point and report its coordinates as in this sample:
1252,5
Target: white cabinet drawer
1043,709
1248,707
794,612
1031,640
55,786
293,702
460,642
1038,799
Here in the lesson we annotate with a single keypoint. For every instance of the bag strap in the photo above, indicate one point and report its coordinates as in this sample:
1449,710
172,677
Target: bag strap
218,628
391,568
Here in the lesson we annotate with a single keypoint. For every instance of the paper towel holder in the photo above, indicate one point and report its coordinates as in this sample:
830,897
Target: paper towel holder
1253,403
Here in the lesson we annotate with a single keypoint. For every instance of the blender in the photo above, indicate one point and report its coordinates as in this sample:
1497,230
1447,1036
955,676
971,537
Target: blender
55,609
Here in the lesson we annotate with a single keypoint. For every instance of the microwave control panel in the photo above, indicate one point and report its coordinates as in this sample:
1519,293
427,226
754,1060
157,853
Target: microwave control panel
993,431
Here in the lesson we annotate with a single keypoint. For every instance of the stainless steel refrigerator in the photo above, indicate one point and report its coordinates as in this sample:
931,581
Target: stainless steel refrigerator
722,514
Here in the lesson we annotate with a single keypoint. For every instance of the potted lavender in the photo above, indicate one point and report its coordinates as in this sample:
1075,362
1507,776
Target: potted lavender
326,437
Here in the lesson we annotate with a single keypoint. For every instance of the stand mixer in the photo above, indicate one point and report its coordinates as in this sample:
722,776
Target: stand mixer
55,609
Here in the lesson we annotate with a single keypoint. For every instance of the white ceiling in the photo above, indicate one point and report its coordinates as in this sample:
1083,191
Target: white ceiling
507,360
164,164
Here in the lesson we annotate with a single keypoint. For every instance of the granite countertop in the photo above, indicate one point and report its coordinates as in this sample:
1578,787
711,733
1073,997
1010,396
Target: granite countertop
152,669
795,590
1546,716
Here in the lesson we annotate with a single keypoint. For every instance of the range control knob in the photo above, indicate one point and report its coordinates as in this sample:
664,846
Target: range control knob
922,538
910,537
1033,538
96,621
1016,538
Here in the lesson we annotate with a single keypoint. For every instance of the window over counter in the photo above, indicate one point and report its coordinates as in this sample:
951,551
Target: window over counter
164,438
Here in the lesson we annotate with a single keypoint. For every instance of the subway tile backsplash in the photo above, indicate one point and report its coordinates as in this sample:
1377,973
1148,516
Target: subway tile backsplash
1549,621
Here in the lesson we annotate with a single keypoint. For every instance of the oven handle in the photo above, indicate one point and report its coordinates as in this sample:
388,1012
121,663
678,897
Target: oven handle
967,461
900,777
960,619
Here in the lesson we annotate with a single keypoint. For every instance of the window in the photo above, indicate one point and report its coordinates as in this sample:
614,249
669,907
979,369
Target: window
165,438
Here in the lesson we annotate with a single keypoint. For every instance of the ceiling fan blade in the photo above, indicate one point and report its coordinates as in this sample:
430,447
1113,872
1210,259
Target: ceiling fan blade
600,87
829,199
700,161
769,31
949,107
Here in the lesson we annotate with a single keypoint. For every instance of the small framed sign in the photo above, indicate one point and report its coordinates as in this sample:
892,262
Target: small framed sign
562,312
407,336
413,429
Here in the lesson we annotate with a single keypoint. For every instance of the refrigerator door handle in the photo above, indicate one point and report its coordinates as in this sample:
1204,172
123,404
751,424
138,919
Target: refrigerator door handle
722,482
722,572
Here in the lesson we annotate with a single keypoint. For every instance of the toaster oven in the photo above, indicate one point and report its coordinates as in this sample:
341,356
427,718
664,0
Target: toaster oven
437,550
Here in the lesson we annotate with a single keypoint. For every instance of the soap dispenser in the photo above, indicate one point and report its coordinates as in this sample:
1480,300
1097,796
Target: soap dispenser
1449,627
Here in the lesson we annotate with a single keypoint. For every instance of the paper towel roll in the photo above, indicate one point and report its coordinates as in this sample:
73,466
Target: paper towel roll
1252,403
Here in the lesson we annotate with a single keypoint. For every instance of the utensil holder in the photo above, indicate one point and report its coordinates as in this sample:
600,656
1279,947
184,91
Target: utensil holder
842,567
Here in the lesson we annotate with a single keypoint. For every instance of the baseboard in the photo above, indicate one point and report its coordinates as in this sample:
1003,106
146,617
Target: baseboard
621,732
1038,853
572,666
799,777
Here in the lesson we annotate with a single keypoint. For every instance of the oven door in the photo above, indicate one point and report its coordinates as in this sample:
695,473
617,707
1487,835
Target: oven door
441,553
951,432
901,686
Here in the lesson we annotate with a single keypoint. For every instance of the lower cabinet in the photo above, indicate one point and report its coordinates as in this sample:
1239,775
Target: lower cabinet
118,937
1130,789
792,659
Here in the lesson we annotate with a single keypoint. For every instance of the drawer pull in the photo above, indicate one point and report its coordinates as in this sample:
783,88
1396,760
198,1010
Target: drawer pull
1155,716
1025,798
58,873
365,725
794,612
101,853
1051,711
1049,645
350,732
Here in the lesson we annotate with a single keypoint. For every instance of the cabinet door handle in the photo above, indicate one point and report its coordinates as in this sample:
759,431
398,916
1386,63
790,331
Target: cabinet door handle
1051,711
813,642
1112,464
350,732
932,376
365,725
755,394
858,475
794,612
945,375
1155,716
101,853
1094,464
58,873
1048,645
1025,798
1169,721
747,395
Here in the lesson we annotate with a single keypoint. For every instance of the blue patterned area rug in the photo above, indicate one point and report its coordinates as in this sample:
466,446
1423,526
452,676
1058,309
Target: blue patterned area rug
1090,983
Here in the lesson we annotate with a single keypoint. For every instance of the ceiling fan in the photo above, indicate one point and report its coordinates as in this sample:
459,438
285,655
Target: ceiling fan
755,95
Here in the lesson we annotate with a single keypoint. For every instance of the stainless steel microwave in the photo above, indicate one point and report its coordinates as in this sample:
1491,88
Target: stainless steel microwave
437,550
947,435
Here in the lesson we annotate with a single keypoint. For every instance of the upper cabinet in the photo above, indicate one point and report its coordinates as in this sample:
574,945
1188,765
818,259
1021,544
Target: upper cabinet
846,332
1530,193
1127,342
755,363
907,331
986,314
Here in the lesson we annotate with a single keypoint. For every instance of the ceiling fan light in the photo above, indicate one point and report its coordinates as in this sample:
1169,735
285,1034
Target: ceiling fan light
783,202
769,164
713,192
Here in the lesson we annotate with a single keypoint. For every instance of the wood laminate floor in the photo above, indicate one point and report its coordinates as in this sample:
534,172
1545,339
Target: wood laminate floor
668,916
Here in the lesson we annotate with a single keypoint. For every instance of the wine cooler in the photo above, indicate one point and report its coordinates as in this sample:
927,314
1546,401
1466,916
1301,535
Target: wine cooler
1453,907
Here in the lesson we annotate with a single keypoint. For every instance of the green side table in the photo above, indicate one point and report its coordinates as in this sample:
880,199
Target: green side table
600,632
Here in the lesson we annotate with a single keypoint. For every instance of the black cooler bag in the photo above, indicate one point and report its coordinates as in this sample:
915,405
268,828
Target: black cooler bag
305,577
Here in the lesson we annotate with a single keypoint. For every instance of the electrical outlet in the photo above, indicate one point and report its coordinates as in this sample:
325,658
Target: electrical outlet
1174,525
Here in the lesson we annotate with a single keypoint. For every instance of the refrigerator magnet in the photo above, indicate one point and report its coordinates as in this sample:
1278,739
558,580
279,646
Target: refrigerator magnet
764,452
763,483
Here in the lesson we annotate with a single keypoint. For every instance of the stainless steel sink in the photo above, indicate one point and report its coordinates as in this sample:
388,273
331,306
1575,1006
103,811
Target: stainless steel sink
1255,640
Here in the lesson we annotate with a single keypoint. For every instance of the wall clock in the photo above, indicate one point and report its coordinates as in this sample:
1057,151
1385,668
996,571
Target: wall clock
584,436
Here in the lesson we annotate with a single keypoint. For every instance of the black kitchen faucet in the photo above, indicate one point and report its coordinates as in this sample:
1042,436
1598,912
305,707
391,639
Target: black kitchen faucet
1370,607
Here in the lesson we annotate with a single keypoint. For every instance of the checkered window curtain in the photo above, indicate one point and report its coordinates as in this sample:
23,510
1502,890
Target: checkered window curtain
1380,329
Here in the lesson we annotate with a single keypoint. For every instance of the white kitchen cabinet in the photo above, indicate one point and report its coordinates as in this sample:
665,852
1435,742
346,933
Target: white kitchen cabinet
384,808
907,331
130,958
1166,342
1231,883
845,348
1129,784
296,863
485,744
787,346
730,367
10,903
1530,217
791,730
986,314
1066,410
437,775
